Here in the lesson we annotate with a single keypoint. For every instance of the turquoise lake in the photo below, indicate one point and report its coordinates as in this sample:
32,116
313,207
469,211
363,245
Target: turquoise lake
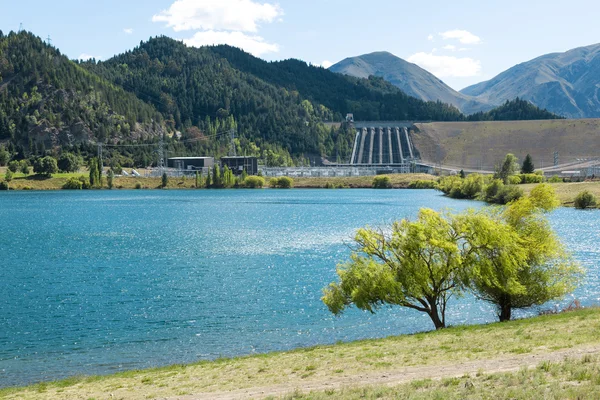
94,282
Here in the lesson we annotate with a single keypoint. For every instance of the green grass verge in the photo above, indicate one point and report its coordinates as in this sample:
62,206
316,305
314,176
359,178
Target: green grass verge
446,347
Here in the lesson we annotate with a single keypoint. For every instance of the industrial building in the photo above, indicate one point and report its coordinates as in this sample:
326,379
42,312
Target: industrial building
191,163
238,164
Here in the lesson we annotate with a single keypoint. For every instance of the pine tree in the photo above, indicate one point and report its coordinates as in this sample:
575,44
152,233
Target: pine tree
528,167
93,173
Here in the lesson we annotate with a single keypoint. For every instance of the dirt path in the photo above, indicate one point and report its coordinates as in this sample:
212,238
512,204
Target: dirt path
402,375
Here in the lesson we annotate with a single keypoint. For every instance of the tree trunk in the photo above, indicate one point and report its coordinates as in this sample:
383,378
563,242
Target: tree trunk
437,322
505,309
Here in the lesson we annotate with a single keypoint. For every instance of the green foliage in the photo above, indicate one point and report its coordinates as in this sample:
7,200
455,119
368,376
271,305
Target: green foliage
254,182
164,182
527,167
531,178
458,188
515,180
418,265
73,184
138,185
498,193
507,256
4,185
13,166
8,176
526,266
555,179
420,184
228,179
45,166
283,182
509,167
69,162
382,182
24,167
585,200
4,156
110,178
94,173
514,110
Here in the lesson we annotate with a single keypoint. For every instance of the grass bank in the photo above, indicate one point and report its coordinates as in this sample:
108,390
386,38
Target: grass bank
567,192
344,362
34,182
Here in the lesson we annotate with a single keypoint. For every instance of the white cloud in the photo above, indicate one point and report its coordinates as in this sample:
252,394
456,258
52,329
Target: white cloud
464,37
128,31
326,64
85,57
255,45
449,47
447,66
230,15
430,38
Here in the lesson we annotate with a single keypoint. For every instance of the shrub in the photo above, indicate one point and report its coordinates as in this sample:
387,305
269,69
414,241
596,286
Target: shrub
73,184
382,182
283,182
585,200
514,180
555,179
447,183
164,181
85,182
508,194
531,178
24,167
422,185
8,176
3,185
138,185
329,185
472,186
13,166
254,182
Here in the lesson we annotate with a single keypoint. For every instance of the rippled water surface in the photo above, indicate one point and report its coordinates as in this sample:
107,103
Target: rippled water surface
95,282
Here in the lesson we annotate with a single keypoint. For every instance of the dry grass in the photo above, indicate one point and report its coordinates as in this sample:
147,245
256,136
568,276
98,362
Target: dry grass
566,192
569,379
446,347
398,181
475,144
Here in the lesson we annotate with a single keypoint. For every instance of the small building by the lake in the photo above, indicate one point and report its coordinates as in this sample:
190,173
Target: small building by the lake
241,163
191,163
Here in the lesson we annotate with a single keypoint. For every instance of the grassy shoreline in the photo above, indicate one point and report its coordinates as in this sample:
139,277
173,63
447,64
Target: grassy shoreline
301,367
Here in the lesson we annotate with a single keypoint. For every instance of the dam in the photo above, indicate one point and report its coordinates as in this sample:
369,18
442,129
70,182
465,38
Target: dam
383,143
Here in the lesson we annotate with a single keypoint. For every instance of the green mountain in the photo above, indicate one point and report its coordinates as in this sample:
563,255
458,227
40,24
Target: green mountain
47,101
516,110
278,110
564,83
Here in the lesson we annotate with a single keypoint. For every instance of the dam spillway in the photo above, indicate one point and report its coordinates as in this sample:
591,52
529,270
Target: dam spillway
383,143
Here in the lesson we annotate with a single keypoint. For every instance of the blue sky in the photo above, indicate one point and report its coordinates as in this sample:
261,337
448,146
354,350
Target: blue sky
462,42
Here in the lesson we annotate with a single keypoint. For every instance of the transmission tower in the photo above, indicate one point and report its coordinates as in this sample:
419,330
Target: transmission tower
49,41
232,151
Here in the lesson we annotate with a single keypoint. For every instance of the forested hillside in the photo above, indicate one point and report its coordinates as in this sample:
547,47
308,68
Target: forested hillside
46,101
515,110
195,95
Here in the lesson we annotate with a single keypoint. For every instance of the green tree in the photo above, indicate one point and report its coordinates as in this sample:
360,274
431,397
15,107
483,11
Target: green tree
509,167
462,174
69,162
94,173
418,265
585,200
4,156
24,167
45,166
208,182
382,182
527,167
13,166
8,176
520,262
110,178
164,180
216,177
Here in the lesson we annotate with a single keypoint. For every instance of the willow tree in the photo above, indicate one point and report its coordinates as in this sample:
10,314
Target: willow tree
535,270
417,265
